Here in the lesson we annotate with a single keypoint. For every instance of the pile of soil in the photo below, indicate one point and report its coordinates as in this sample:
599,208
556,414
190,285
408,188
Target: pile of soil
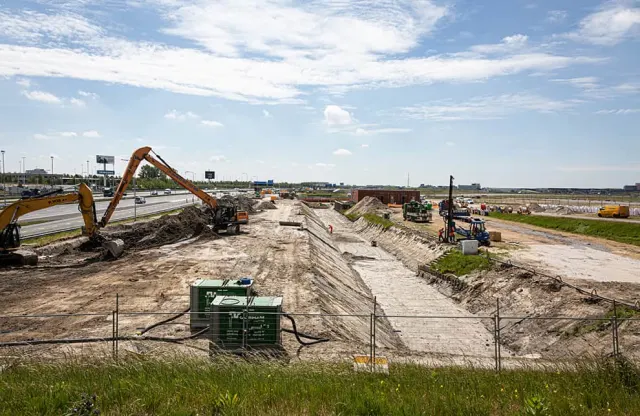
533,207
368,205
563,210
243,202
265,205
168,229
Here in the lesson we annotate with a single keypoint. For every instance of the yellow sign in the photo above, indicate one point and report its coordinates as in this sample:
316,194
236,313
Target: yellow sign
363,363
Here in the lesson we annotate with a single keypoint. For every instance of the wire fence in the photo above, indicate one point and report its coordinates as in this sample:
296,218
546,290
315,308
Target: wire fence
496,341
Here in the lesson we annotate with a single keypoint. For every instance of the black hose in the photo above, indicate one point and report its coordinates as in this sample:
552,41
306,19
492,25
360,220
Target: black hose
149,328
298,335
87,340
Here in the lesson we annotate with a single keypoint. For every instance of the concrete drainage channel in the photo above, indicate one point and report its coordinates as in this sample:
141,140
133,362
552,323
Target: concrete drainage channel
400,292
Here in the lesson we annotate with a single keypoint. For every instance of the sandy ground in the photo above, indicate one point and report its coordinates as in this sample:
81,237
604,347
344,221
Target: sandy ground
400,292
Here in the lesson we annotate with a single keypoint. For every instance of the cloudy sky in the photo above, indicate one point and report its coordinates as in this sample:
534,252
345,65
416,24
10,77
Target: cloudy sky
526,93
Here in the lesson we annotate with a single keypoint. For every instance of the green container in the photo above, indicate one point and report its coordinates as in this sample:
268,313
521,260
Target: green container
246,322
204,291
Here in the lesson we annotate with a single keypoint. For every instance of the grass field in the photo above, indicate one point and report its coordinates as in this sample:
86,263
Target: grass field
203,388
457,263
622,232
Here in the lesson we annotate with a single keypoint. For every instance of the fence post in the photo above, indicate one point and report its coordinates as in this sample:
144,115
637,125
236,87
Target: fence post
117,323
374,332
113,333
614,329
496,336
245,323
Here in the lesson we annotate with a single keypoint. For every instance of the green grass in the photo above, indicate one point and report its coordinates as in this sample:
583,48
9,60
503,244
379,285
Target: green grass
457,263
378,220
622,312
622,232
190,387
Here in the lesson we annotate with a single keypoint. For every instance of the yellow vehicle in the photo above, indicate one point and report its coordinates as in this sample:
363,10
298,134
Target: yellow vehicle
614,211
10,229
223,217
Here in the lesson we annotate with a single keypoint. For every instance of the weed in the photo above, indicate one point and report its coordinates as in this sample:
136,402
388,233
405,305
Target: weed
457,263
86,406
535,406
378,220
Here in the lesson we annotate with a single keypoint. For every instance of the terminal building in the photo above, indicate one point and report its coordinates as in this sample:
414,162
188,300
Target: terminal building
386,196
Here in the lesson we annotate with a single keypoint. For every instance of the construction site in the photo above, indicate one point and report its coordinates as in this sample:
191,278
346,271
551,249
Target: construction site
305,280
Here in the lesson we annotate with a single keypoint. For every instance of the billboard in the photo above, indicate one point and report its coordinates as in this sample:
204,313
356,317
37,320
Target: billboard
106,172
105,159
209,174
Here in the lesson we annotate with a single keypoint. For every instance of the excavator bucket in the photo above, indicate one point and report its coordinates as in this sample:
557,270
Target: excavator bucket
114,247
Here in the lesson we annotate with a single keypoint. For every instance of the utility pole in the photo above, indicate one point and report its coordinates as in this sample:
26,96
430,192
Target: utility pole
52,180
24,169
88,177
4,187
450,209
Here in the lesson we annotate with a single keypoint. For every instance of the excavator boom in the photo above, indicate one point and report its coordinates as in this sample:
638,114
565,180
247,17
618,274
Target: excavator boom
144,153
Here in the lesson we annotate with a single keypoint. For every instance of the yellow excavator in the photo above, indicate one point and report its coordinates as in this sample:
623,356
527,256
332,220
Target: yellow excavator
224,217
10,252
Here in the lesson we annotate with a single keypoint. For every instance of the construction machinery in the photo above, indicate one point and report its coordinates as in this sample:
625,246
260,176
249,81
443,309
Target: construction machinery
476,231
10,252
417,212
524,210
223,216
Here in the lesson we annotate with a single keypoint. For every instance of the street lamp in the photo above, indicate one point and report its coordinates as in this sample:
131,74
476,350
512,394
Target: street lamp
4,188
52,172
193,175
24,168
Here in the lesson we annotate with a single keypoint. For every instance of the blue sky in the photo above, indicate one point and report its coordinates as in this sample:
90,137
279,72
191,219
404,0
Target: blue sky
520,93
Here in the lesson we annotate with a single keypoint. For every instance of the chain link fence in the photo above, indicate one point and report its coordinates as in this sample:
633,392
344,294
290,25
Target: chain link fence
494,341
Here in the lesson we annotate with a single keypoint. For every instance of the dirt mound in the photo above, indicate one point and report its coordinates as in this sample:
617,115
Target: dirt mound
243,202
561,210
168,229
265,205
368,205
533,207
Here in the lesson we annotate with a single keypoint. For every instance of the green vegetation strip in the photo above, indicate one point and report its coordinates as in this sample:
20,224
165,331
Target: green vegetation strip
457,263
192,387
622,232
372,219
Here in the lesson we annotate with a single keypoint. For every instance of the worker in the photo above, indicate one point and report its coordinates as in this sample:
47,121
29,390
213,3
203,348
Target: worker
330,229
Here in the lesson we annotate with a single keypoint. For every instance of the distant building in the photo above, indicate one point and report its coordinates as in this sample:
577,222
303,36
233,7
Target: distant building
631,188
472,187
386,196
36,171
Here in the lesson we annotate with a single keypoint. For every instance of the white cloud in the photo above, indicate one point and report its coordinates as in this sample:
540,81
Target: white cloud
317,44
614,23
364,146
342,152
69,134
336,116
40,136
266,114
389,130
556,16
620,111
91,95
325,165
212,123
260,162
91,133
42,96
587,83
218,158
450,143
23,82
509,44
179,116
487,108
627,88
78,102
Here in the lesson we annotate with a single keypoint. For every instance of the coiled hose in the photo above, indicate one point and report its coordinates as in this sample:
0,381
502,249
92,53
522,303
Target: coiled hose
299,335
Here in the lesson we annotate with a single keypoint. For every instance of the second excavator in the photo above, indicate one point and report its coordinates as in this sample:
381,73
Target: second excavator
223,217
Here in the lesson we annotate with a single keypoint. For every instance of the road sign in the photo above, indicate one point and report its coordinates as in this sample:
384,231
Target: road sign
106,172
105,159
209,174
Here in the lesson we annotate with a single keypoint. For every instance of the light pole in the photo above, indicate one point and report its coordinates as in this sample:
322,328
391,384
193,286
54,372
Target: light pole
4,188
193,175
52,180
24,169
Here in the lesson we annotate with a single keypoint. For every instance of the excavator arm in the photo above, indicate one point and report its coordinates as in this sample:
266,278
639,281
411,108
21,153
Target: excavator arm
144,153
9,216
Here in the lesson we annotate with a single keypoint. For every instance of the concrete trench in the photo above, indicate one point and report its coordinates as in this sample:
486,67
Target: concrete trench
455,331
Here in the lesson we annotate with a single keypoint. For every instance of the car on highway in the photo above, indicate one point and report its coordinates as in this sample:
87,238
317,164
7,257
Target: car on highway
154,193
140,200
167,191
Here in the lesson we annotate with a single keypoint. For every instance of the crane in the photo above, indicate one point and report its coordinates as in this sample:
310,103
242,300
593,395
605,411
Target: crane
10,229
223,217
